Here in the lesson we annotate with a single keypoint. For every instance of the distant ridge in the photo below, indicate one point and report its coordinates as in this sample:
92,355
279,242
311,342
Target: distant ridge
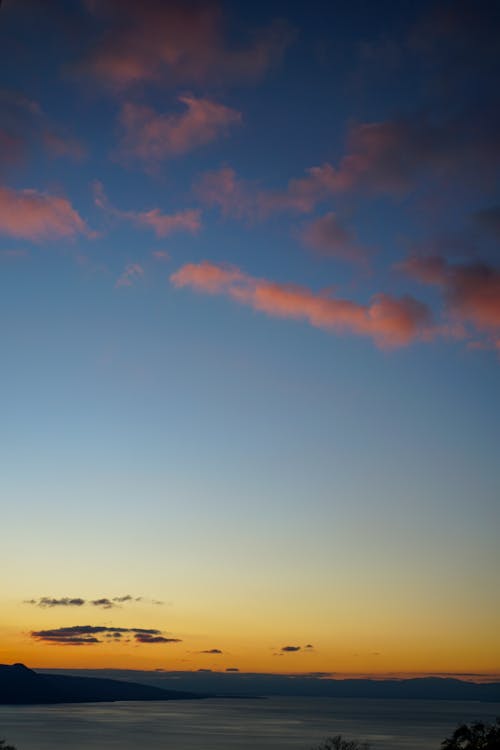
20,685
314,685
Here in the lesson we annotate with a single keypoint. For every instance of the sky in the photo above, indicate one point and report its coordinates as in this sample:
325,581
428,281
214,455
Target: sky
250,335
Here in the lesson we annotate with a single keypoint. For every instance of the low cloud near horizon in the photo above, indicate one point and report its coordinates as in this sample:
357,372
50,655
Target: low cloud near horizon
88,635
48,602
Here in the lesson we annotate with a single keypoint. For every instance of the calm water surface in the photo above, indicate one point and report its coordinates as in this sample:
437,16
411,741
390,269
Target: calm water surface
237,724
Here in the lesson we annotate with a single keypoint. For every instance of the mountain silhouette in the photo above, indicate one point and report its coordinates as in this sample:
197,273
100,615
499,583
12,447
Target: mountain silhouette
20,685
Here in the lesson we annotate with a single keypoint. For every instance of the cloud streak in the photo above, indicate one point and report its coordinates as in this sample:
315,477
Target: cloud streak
151,137
82,635
49,602
389,321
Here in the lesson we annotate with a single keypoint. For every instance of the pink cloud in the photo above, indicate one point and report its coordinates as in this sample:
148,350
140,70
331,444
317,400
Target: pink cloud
132,272
471,291
176,43
188,220
387,158
329,237
232,196
391,156
242,199
389,321
33,215
164,224
152,137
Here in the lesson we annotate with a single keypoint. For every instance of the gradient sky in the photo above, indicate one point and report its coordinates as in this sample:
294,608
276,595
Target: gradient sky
250,335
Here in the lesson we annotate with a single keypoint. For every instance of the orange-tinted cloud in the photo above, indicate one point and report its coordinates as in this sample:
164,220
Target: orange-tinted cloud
152,137
328,236
33,215
188,220
471,291
176,42
389,321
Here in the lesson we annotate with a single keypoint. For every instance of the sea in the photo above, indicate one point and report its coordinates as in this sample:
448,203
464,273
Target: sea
237,724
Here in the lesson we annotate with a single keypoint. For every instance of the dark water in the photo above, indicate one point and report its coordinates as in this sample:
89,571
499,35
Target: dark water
294,723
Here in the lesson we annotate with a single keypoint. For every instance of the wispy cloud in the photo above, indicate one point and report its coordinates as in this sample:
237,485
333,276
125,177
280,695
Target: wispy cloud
48,602
242,199
328,236
188,220
151,137
176,43
389,321
132,273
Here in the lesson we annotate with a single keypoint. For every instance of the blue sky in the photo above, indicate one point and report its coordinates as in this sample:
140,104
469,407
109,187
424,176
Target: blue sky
229,413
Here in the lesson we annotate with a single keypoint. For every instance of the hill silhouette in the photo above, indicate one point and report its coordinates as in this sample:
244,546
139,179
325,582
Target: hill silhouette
247,684
20,685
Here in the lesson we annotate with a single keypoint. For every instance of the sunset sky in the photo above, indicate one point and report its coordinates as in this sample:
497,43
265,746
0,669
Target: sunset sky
250,335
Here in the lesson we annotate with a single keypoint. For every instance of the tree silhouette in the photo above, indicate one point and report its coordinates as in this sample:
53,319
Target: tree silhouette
3,746
476,736
338,743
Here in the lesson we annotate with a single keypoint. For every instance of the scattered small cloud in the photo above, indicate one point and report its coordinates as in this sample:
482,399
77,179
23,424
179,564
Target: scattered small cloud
104,603
211,651
146,638
290,649
49,602
132,273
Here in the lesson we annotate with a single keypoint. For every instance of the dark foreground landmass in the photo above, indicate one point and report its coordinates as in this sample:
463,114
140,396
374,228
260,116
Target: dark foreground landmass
20,685
240,684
